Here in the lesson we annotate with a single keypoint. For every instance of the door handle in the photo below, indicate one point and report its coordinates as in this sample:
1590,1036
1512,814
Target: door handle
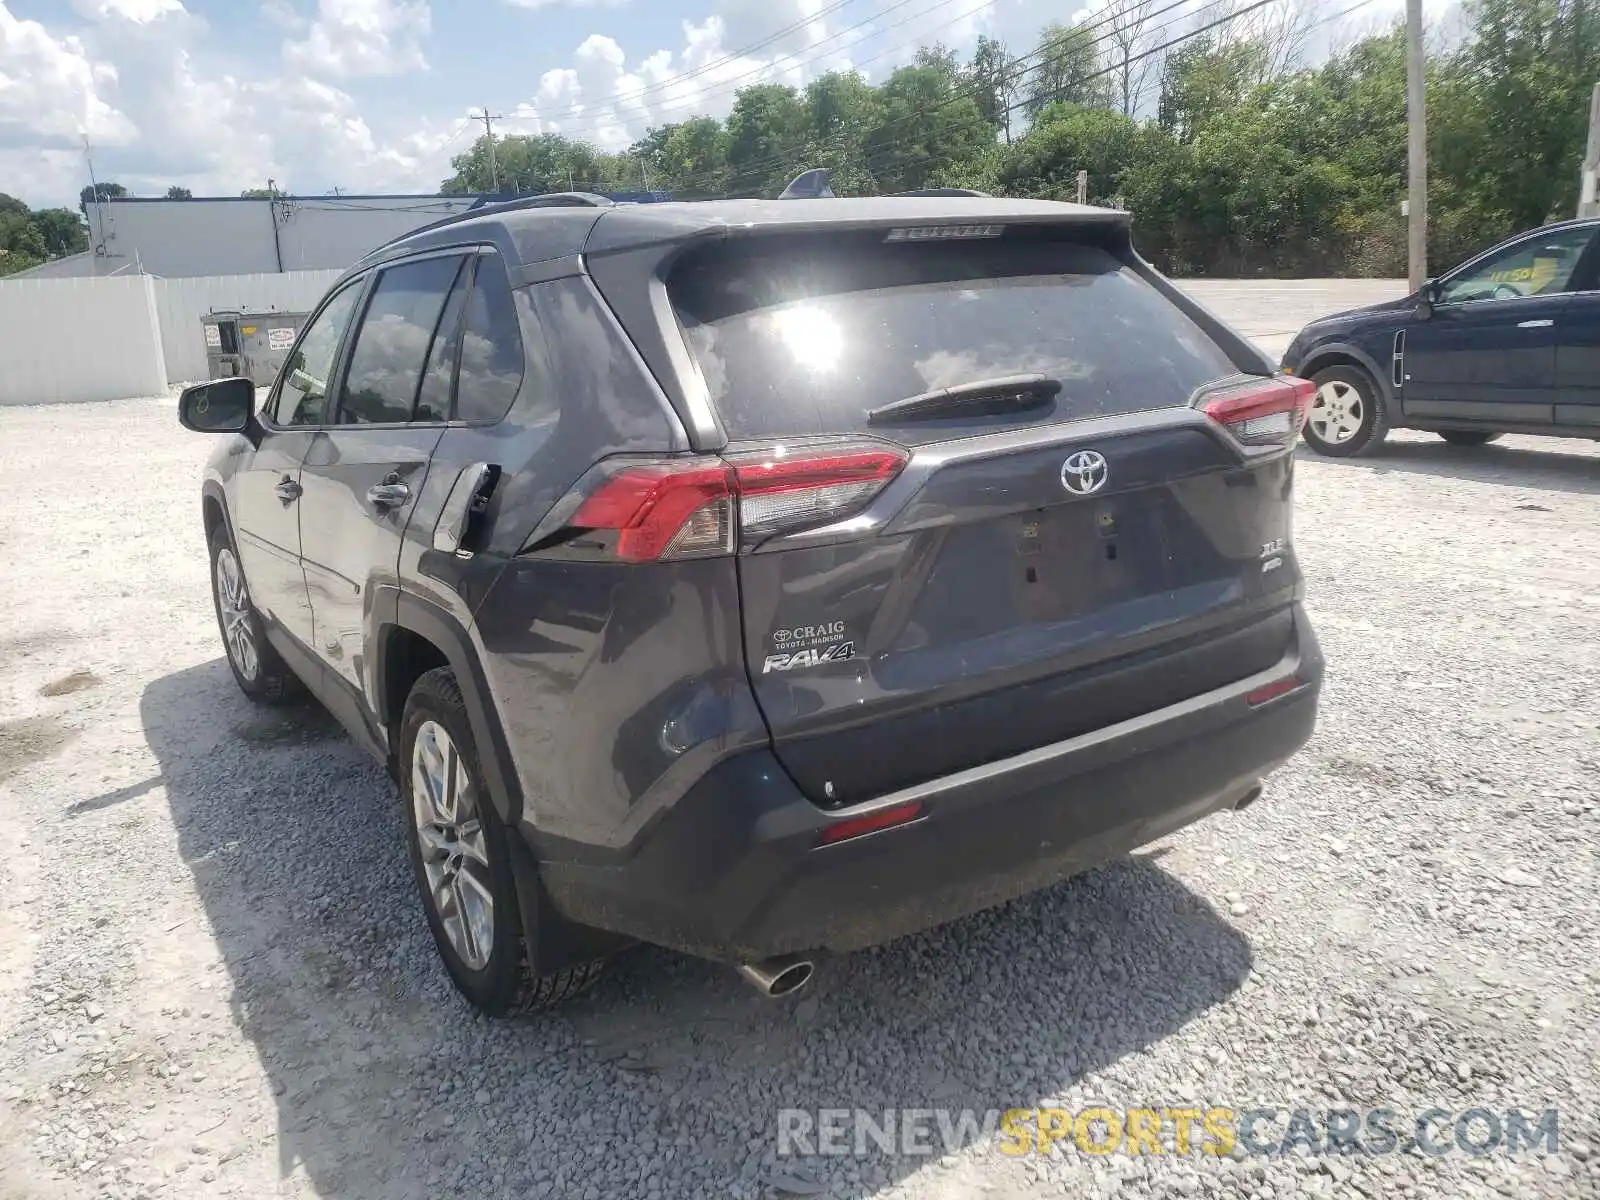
388,494
287,489
1541,324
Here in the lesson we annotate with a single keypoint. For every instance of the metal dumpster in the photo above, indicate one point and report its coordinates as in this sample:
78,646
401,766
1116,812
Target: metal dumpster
251,344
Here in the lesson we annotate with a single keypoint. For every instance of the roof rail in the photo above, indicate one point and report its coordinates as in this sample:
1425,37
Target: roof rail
943,191
544,200
810,185
484,207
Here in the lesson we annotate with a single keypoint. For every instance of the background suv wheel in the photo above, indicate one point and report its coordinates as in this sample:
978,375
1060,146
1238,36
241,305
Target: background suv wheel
1347,417
256,667
462,861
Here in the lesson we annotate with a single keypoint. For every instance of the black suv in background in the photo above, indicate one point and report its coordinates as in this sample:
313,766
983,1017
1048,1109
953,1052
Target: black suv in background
759,578
1508,342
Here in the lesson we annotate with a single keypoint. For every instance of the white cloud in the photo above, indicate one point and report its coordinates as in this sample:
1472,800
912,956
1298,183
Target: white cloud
568,3
168,99
52,90
140,11
363,38
603,99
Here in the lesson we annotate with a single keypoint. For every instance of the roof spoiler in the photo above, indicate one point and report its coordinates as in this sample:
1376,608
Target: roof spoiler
814,184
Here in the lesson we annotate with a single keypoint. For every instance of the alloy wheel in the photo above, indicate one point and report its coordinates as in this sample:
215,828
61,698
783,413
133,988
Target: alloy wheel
450,837
1338,412
233,604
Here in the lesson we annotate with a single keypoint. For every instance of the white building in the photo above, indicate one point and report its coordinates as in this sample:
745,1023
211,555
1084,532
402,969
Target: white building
234,235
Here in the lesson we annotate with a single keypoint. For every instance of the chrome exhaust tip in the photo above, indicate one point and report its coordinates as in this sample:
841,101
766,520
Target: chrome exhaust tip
774,977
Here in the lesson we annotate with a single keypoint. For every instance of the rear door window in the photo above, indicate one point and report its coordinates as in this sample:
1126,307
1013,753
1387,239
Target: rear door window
491,346
433,397
391,347
805,337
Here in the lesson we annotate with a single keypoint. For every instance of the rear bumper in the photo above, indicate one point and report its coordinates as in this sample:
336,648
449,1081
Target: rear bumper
734,871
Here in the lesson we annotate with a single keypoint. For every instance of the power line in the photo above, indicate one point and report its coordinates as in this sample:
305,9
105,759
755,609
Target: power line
1360,4
774,161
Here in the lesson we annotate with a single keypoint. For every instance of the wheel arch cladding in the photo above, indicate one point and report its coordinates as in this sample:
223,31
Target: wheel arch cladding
424,637
1344,356
213,509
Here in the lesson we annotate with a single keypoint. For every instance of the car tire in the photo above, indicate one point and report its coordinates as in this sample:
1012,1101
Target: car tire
257,668
461,858
1468,437
1347,417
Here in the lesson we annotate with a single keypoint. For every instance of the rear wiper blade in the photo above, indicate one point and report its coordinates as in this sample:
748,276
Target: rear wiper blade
981,397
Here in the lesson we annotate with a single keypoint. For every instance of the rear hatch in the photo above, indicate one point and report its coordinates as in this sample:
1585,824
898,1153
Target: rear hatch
982,505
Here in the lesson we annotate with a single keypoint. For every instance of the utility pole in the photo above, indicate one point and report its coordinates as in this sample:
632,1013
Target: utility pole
1416,147
494,169
1588,201
645,171
94,190
1083,187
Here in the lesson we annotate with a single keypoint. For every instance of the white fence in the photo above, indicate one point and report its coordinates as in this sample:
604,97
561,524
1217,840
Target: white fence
131,335
180,303
79,339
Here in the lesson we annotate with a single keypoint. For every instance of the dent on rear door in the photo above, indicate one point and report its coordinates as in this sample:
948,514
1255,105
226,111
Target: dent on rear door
350,546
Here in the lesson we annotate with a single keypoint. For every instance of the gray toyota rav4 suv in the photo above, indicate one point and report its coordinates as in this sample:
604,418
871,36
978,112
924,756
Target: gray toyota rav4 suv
765,578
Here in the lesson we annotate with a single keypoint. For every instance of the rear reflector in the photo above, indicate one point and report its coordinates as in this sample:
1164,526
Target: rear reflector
1267,412
1271,691
695,507
884,818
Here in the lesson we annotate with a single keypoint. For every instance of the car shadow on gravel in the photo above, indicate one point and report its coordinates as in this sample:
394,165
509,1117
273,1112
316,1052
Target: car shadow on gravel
386,1085
1547,467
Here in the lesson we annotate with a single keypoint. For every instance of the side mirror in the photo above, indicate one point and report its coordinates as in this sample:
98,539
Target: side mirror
221,406
1427,297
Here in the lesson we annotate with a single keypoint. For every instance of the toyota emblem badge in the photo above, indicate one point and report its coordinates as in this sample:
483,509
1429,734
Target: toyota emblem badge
1084,472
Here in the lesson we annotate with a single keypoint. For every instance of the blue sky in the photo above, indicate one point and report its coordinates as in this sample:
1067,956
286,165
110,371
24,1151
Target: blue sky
376,95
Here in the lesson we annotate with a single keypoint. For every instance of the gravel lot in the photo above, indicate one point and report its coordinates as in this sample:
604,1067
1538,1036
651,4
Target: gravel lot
215,978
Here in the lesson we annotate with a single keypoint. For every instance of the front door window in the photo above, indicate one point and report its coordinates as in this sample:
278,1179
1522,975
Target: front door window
1540,266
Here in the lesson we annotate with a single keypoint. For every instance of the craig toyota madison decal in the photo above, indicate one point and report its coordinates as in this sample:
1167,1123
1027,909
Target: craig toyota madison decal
808,646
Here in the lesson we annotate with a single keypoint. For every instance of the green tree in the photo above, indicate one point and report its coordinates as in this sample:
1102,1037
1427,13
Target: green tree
923,124
767,136
1065,69
62,231
179,193
21,246
991,77
547,162
99,191
841,108
689,159
1202,79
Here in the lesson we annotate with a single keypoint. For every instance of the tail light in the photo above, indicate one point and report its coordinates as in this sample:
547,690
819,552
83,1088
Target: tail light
673,508
1265,412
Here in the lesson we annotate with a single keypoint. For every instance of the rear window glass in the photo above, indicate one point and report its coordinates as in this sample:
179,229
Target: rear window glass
805,339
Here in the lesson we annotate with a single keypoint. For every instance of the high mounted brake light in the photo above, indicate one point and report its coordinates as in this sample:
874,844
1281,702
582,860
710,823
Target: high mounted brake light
660,509
1266,412
943,233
